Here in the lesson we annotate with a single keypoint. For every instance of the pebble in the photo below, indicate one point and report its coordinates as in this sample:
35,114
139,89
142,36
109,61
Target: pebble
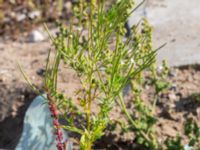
20,17
198,113
36,36
172,73
68,6
34,14
159,69
187,147
41,72
172,96
6,20
173,87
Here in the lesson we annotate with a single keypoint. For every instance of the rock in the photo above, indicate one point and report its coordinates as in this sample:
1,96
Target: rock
198,113
34,14
172,96
38,130
187,147
41,72
6,20
36,36
20,17
159,69
173,87
68,6
172,73
14,111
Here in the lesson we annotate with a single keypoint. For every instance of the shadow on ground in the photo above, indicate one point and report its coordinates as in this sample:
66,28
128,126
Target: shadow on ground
189,104
14,101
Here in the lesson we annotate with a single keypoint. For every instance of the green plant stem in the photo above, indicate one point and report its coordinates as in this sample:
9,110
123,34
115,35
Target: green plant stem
89,105
154,103
90,24
130,118
90,35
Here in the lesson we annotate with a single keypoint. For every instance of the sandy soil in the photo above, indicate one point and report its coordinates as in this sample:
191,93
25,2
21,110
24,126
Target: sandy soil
174,107
15,94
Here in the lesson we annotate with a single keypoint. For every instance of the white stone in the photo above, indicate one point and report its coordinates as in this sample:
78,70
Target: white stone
20,17
34,14
36,36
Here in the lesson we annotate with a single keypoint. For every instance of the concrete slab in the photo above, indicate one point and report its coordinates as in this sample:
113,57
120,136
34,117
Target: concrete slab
177,23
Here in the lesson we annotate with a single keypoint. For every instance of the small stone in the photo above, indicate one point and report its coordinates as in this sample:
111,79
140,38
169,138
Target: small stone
33,77
14,108
159,69
173,87
20,17
41,72
12,15
198,113
172,96
147,87
12,2
172,105
14,113
36,36
6,20
172,73
187,147
68,6
34,14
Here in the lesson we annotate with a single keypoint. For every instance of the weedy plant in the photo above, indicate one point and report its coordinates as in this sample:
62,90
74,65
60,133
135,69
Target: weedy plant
192,132
93,45
141,119
104,61
142,124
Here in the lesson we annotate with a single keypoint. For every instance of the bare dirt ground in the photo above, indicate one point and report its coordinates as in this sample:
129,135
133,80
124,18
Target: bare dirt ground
15,94
175,106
